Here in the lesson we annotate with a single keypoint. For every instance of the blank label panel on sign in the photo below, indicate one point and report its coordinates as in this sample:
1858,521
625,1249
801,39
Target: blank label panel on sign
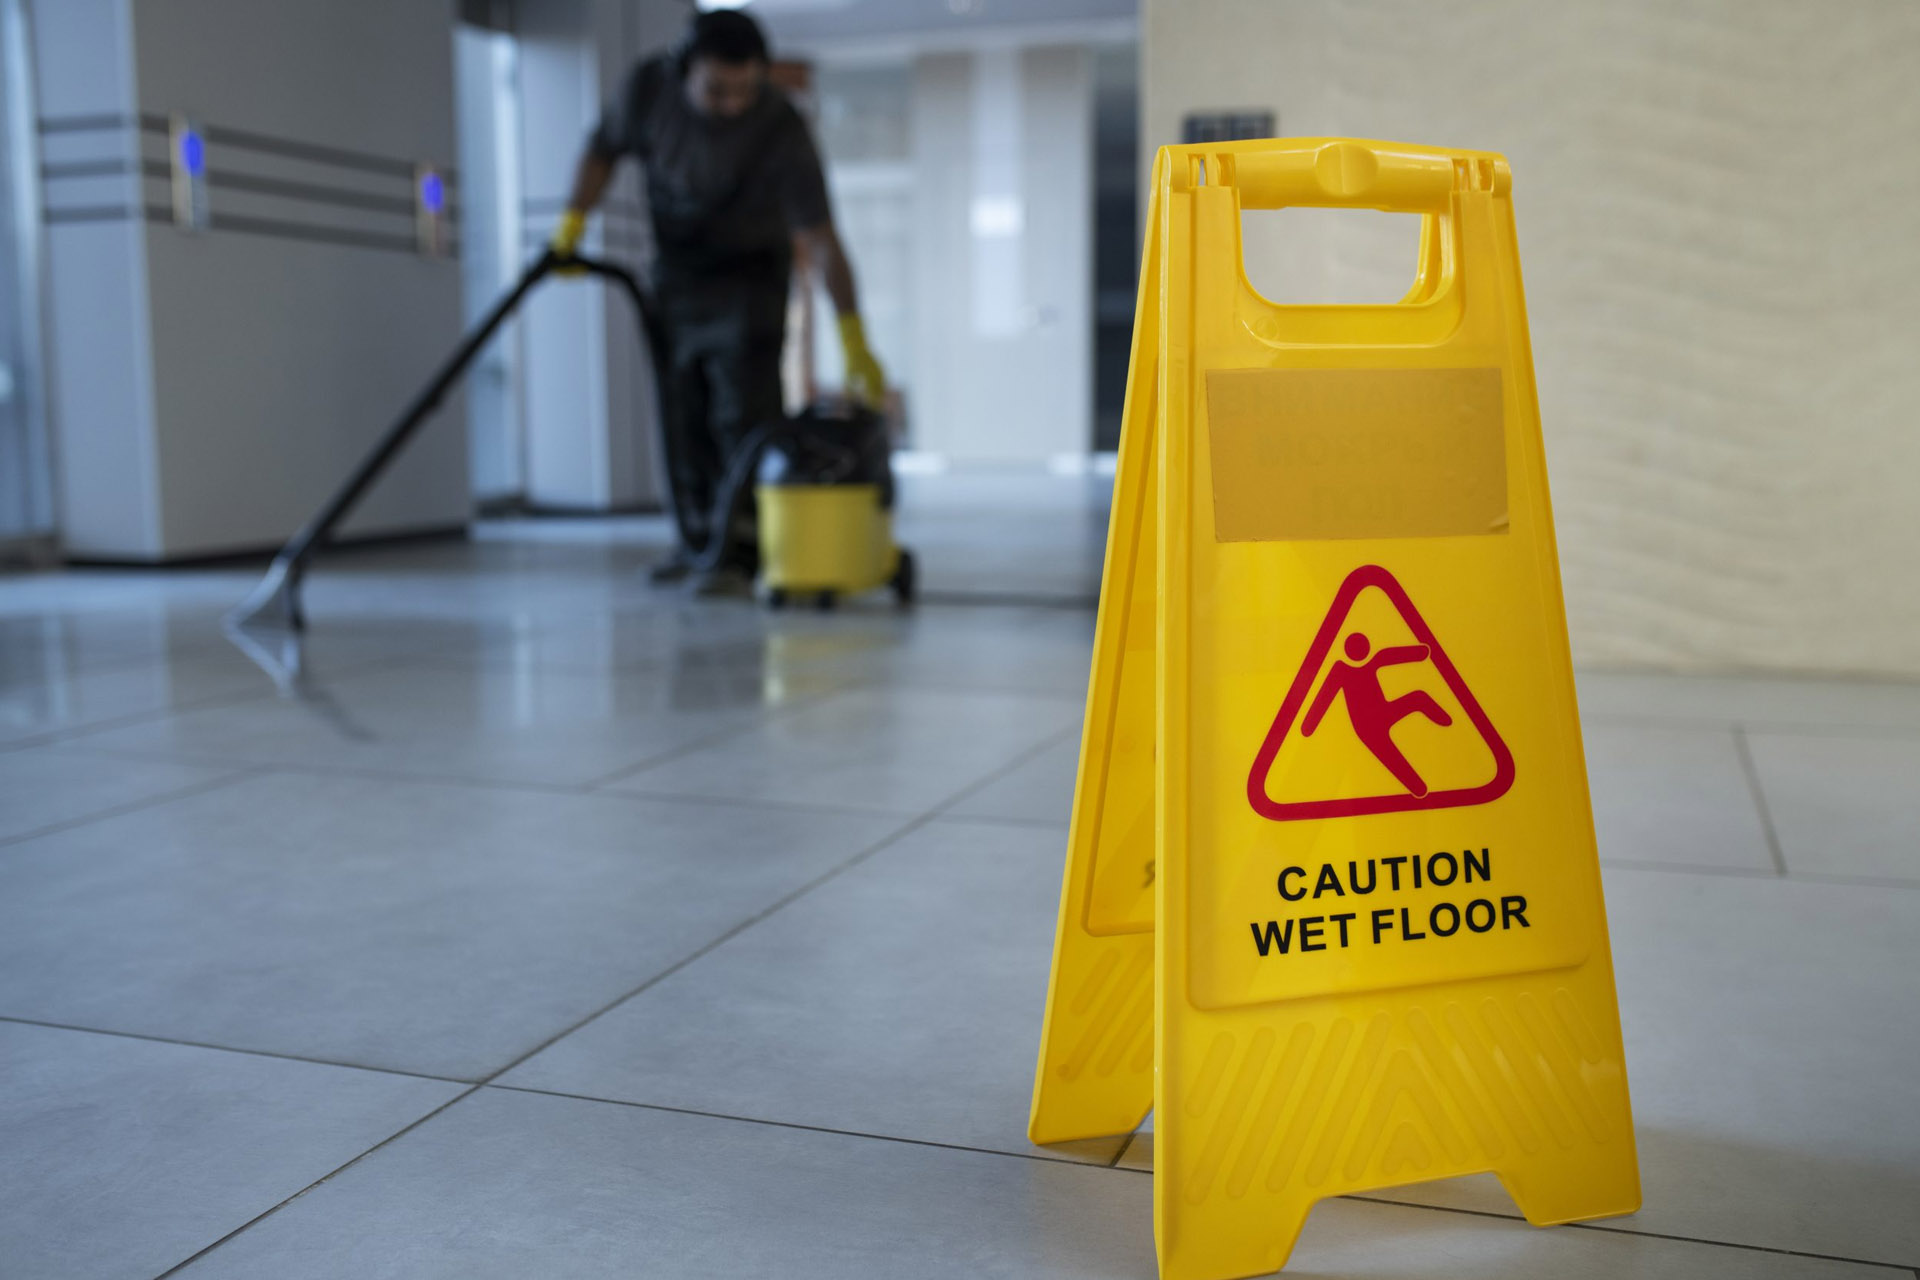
1313,454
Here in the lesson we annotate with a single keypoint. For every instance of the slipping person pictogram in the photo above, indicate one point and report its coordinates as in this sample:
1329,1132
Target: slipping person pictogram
1374,714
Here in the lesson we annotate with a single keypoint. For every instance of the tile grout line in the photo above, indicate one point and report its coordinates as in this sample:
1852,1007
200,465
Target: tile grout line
215,645
1758,873
1062,825
228,1048
797,1125
850,684
75,740
76,735
1752,772
213,760
1788,728
716,942
1114,1165
920,684
1633,1231
413,777
1047,743
938,808
863,855
885,842
712,739
941,809
1691,869
238,773
264,1214
1009,600
232,776
754,802
573,790
1133,1135
985,1151
488,1079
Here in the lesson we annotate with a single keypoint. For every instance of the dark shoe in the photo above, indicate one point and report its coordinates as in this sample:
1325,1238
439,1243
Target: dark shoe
674,568
727,582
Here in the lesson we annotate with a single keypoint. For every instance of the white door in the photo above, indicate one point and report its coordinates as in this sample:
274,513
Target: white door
1002,335
26,505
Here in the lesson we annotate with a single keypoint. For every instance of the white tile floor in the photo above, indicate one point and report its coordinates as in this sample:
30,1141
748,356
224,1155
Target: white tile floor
562,928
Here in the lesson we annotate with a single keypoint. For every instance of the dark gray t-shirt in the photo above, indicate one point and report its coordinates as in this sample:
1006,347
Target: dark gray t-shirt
726,195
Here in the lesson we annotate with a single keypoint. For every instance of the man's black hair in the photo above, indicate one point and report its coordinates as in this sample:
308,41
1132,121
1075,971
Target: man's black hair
725,35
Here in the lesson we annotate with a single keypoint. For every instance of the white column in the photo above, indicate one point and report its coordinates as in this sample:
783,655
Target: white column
590,409
99,370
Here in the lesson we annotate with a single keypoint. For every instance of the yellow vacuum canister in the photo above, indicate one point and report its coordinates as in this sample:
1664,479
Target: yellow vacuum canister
824,491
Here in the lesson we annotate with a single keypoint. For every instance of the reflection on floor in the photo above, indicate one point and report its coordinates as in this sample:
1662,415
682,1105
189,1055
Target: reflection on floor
561,927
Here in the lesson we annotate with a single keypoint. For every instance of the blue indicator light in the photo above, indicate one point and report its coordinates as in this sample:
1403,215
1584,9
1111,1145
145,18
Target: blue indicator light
193,153
433,192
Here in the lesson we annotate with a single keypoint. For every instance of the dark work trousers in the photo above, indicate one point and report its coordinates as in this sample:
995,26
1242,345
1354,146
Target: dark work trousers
717,356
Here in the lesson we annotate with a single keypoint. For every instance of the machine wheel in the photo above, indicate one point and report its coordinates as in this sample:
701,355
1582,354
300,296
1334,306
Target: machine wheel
826,601
902,583
776,598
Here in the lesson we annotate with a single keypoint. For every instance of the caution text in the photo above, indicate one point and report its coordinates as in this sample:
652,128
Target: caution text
1365,926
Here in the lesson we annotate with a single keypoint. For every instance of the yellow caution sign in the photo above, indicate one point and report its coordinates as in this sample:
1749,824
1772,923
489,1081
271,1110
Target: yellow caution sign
1331,744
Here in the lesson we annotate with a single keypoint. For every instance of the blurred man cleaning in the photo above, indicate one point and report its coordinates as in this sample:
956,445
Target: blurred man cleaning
733,180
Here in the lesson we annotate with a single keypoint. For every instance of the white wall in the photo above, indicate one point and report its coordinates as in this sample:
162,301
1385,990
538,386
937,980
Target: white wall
212,388
1716,208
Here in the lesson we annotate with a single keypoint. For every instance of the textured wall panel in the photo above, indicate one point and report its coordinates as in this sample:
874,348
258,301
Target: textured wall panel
1717,212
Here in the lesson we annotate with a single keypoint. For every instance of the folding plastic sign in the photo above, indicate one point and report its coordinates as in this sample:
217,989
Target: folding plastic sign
1332,908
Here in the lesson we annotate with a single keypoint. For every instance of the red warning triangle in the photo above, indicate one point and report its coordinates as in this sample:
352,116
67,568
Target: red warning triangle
1354,684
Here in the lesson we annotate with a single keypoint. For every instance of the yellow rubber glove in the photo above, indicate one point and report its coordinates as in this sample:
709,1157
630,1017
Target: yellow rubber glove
567,236
866,381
